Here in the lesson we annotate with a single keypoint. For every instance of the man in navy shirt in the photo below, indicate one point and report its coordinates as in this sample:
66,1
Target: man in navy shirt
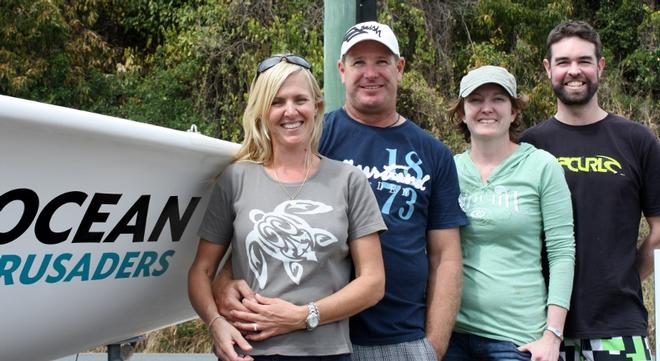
414,179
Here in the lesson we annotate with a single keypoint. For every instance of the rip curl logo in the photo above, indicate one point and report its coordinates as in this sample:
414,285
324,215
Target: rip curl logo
286,237
597,164
355,31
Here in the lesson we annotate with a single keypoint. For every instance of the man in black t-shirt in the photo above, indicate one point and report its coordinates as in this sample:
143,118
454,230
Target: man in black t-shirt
612,167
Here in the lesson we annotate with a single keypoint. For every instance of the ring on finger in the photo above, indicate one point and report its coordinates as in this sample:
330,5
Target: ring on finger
254,326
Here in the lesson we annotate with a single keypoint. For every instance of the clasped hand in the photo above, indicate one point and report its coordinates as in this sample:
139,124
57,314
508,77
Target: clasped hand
545,348
264,317
251,317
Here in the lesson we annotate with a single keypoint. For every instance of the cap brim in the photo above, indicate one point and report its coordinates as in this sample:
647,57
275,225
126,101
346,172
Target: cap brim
472,87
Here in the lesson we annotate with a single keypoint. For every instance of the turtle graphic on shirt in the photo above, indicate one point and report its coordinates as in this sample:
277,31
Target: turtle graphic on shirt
283,235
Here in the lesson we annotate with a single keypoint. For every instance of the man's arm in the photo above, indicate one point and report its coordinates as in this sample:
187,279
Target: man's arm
645,251
444,286
228,293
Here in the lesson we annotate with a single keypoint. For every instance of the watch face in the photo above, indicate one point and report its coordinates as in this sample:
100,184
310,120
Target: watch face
312,321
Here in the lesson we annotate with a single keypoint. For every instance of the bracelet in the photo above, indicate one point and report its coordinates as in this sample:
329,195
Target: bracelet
556,332
213,320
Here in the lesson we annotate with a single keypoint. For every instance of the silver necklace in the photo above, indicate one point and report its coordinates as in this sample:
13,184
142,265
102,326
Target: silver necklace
277,179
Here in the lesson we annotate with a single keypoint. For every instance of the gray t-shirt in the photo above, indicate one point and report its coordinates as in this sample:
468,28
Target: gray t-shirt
296,250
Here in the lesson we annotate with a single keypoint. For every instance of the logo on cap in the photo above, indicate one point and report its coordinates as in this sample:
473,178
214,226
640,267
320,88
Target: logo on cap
355,31
370,30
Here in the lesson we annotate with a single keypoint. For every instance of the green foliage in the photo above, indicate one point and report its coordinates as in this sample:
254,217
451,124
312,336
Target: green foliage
166,98
502,23
420,102
179,62
48,52
642,69
150,20
414,41
236,37
617,22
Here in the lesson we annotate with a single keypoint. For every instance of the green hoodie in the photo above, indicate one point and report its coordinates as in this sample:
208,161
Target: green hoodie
525,201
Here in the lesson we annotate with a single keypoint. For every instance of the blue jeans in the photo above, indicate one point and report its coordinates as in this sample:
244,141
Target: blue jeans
466,347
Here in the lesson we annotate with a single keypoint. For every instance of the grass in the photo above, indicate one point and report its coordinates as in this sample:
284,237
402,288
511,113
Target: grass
188,337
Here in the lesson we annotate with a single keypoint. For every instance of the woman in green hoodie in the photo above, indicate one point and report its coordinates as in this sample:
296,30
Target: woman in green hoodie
517,200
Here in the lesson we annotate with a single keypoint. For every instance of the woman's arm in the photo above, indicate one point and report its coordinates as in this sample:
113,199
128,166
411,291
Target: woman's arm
557,213
200,275
273,316
556,210
546,348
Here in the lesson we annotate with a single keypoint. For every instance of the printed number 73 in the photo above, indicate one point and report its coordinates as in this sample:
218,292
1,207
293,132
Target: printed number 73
394,191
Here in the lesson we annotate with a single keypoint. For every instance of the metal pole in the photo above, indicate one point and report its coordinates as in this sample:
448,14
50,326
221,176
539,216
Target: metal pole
338,16
366,11
114,352
123,350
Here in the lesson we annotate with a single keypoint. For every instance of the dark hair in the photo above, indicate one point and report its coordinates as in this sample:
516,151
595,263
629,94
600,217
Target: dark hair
457,113
571,29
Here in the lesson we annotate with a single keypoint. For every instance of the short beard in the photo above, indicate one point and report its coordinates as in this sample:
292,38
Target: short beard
575,99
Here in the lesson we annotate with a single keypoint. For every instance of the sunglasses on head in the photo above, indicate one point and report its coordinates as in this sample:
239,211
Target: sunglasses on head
289,58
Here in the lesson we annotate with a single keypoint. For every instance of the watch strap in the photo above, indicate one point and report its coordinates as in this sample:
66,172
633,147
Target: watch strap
312,313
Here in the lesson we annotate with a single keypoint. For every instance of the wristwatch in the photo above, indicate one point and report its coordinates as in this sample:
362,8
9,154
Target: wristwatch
556,332
312,316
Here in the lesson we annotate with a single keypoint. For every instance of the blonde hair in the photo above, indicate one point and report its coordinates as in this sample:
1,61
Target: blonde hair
257,146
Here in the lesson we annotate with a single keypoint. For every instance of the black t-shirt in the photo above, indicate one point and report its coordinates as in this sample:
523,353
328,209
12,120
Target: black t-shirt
613,169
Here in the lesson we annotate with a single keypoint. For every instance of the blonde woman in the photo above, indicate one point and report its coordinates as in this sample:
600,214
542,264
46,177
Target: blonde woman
297,223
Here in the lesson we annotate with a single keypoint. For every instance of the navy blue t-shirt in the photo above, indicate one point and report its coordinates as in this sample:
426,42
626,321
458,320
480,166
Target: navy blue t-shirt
414,179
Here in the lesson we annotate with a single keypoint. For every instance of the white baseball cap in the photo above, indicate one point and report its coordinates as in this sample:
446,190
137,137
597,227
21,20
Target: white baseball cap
370,30
487,74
